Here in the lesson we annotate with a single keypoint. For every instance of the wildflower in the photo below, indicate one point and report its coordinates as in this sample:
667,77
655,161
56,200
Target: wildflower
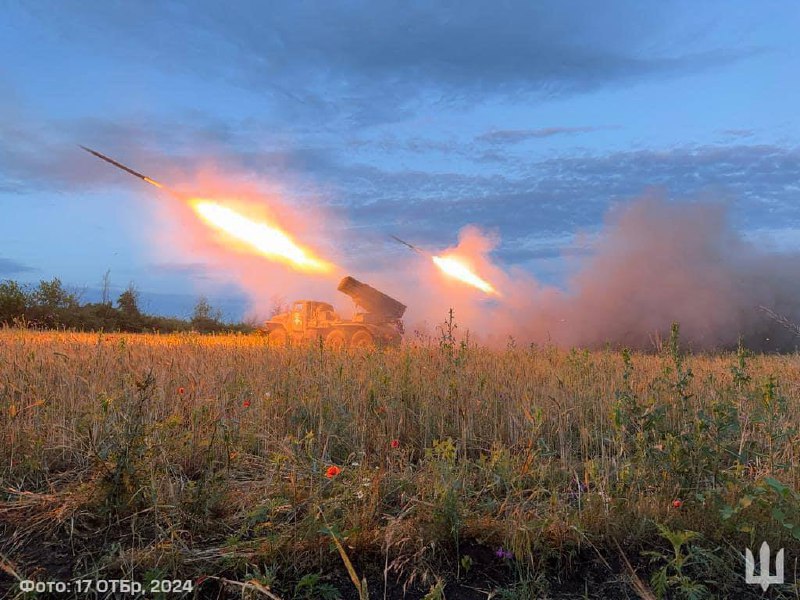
502,553
181,390
332,472
395,443
246,403
677,504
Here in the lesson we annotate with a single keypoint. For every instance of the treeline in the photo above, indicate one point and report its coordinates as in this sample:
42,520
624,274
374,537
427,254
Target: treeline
49,305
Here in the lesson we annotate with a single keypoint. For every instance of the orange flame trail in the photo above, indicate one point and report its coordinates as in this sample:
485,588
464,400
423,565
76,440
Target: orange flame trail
263,238
458,269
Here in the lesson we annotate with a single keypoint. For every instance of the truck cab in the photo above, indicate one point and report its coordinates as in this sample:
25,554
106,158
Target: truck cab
310,314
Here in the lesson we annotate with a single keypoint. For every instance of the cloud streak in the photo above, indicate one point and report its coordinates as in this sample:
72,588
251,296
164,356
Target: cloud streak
381,61
13,267
515,136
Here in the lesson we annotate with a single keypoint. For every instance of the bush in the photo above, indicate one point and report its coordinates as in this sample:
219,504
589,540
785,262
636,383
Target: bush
51,306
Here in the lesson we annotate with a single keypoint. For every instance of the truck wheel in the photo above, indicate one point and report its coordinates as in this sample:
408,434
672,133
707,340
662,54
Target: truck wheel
362,339
277,338
336,340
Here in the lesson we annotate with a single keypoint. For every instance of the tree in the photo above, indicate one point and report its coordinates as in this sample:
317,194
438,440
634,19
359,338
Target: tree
13,301
52,295
51,305
128,302
206,318
106,298
130,317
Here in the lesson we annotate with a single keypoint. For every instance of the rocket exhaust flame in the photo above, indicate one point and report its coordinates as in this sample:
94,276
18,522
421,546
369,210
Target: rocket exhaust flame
455,268
262,238
267,240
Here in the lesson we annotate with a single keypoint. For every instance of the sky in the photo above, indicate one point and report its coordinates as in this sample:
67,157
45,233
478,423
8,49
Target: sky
528,119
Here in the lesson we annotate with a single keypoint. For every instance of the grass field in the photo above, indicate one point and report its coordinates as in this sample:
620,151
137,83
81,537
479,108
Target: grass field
447,470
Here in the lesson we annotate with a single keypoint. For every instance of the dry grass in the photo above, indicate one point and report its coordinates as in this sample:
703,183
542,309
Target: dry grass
186,455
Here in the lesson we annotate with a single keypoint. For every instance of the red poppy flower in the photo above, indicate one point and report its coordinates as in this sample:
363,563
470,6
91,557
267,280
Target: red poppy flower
181,390
395,443
677,504
332,472
246,403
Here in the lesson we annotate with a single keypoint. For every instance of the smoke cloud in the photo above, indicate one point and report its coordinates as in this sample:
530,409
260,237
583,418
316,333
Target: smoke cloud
655,262
659,262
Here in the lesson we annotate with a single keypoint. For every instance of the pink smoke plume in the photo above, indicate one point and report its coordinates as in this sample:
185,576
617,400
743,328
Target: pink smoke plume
656,262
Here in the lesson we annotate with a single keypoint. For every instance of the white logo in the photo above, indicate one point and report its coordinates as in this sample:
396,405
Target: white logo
763,578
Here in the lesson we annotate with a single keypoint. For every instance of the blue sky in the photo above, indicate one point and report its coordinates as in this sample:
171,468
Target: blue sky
528,119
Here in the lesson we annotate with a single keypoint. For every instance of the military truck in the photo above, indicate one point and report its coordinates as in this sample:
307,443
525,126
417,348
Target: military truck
377,321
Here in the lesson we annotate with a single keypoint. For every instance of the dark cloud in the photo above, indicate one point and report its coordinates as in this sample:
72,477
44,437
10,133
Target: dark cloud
520,252
36,155
739,133
13,267
559,193
571,194
515,136
393,144
366,62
